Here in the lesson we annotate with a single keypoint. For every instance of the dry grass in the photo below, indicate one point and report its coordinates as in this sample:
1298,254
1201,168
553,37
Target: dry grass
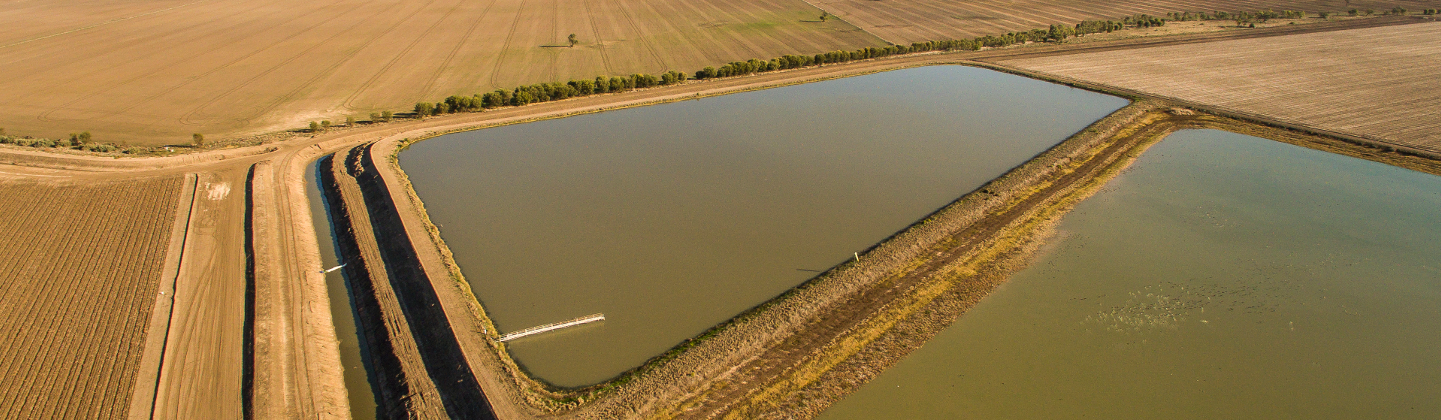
906,21
75,303
1376,82
156,74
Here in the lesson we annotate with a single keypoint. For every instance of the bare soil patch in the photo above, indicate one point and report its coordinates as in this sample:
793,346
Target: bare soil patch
907,21
296,373
79,270
154,73
1374,83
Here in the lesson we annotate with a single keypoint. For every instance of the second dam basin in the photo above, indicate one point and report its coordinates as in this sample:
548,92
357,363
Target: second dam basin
670,219
1222,276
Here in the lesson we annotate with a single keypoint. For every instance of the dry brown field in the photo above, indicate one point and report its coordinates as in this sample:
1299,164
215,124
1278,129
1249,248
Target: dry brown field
1375,83
907,21
155,72
79,269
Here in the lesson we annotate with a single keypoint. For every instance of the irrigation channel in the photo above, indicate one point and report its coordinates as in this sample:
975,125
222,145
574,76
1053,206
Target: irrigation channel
670,219
357,377
1221,276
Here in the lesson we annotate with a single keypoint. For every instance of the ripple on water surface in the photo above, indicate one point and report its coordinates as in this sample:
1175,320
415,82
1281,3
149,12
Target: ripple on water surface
672,218
1222,276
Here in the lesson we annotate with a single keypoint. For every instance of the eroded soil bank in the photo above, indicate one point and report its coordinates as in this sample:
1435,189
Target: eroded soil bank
794,355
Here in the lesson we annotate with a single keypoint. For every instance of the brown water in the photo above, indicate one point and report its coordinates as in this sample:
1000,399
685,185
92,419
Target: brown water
1223,276
670,219
342,311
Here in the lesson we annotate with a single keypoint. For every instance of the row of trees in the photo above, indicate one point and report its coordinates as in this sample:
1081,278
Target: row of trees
544,92
77,141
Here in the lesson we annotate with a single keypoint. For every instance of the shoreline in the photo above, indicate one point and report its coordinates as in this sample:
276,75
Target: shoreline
309,384
907,294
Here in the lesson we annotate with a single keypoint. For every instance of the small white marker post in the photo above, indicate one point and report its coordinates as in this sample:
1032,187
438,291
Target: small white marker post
858,256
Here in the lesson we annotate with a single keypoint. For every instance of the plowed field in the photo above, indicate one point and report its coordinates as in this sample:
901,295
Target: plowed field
156,74
906,21
1378,83
79,269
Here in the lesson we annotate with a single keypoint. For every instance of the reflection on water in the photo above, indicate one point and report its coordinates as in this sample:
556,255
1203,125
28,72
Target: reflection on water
357,383
670,219
1222,276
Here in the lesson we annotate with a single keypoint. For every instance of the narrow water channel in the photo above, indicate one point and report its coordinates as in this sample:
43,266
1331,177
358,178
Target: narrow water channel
357,381
1222,276
672,218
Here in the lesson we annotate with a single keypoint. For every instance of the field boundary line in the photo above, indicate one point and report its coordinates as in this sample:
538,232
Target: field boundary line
142,398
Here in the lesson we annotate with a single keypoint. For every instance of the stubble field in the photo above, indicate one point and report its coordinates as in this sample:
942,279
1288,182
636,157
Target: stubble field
906,21
156,74
79,269
1378,83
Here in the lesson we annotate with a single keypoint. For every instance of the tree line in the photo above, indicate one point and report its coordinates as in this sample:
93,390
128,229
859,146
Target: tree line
544,92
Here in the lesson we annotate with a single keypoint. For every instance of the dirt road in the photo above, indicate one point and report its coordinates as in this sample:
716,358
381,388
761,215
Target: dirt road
250,325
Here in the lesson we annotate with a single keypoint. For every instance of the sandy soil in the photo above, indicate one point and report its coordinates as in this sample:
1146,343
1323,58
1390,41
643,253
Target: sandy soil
907,21
80,262
1374,83
293,369
156,72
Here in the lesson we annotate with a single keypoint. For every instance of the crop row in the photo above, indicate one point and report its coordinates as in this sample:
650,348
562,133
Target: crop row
79,277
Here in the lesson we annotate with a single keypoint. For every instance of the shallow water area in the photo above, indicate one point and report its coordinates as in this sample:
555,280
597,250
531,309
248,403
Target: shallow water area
342,310
1221,276
672,218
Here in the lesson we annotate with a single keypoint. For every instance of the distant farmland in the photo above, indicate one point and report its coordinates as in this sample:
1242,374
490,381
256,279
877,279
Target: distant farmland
906,21
156,74
1375,82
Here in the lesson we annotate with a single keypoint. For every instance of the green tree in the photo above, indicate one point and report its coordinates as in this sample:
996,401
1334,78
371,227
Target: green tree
825,16
84,136
572,40
314,127
422,109
1324,15
386,115
197,139
325,125
349,121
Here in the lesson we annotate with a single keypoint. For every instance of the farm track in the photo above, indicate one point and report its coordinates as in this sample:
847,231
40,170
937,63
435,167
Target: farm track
295,369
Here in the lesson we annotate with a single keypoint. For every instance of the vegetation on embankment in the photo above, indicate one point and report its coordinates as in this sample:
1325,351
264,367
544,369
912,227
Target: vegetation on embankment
814,343
699,361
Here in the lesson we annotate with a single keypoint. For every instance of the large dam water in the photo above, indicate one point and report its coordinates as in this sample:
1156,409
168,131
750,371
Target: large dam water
672,218
1222,276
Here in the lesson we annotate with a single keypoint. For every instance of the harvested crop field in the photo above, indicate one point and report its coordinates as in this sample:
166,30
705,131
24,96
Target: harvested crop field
75,302
1375,83
906,21
157,74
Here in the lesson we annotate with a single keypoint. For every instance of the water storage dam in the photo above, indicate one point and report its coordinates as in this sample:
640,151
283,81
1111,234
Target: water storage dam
1223,276
673,218
913,283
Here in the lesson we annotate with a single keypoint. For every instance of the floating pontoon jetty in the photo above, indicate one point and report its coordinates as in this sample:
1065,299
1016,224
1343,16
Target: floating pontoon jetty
553,326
